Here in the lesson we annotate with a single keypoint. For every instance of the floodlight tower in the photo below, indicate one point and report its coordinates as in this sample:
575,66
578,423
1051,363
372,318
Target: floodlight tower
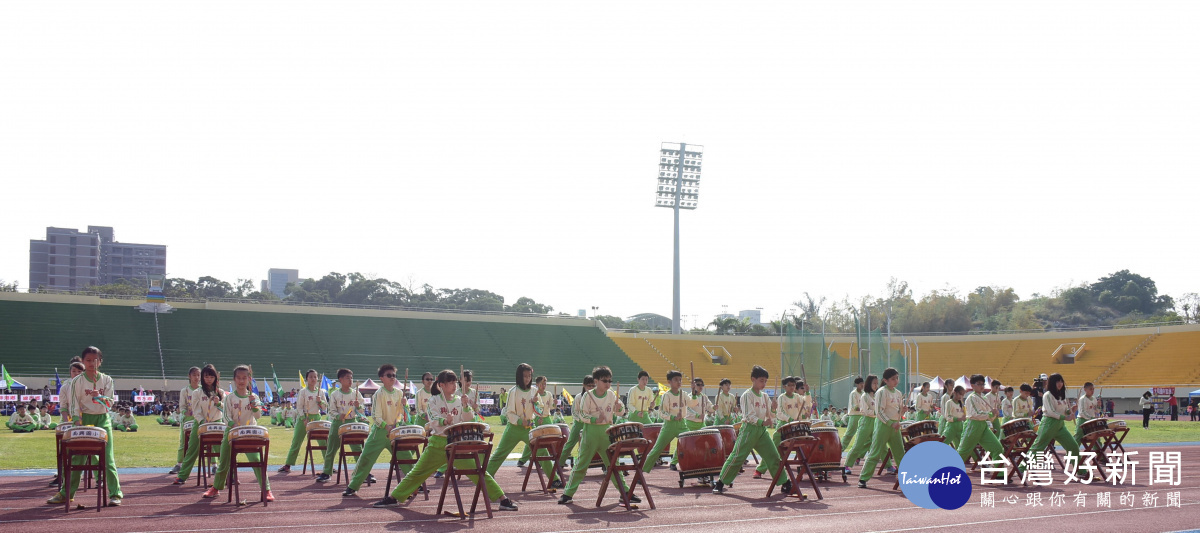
678,188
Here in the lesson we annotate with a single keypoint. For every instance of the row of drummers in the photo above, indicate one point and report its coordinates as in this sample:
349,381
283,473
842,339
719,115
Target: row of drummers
998,422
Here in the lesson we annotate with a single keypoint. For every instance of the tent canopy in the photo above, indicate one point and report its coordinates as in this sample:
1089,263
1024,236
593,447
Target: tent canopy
1194,393
368,385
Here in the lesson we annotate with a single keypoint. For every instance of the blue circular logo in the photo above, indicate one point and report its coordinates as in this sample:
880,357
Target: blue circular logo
933,476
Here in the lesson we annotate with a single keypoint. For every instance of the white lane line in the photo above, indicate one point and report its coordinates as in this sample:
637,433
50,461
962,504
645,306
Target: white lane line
1061,515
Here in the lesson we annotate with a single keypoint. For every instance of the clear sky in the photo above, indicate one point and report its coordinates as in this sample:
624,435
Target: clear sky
513,146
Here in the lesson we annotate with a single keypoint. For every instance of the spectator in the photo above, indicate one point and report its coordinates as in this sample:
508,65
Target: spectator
1195,409
1173,405
1147,406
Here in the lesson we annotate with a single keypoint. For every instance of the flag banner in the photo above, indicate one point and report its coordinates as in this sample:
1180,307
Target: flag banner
143,398
54,398
8,397
31,397
278,389
302,384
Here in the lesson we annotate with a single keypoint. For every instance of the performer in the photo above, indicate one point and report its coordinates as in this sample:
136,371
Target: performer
947,393
673,413
344,405
697,406
309,404
993,397
546,405
977,430
1089,408
445,409
423,396
790,409
91,400
1023,404
576,432
388,409
184,394
242,408
1006,406
641,399
522,410
727,404
866,423
595,411
925,402
853,414
888,405
1056,409
808,408
756,409
953,411
207,405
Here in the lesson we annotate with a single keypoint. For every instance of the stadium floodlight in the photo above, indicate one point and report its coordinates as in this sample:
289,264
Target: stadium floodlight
678,188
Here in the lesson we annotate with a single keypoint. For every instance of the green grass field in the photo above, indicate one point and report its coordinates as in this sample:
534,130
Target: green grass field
152,446
155,446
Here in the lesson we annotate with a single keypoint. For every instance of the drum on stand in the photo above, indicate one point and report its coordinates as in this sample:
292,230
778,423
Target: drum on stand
354,431
465,432
407,434
248,435
85,434
917,431
318,426
793,430
623,432
1094,425
546,430
825,455
701,454
728,437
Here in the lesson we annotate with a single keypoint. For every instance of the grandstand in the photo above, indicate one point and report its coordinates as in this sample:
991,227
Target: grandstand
1129,358
41,332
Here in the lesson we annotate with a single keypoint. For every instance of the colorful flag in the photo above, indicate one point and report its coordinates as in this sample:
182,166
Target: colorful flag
254,386
275,378
568,398
9,382
302,384
57,382
267,388
326,383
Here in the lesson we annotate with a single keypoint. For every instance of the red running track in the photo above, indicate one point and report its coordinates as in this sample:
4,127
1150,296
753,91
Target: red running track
152,504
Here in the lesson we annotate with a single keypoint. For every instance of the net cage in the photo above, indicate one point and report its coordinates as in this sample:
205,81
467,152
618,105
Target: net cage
830,373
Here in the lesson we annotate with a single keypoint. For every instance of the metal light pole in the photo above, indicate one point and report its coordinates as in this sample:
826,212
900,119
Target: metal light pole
678,188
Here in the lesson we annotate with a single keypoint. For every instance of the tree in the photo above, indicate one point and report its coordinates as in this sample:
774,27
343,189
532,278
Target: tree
210,287
1127,292
1190,305
526,304
611,322
724,325
8,286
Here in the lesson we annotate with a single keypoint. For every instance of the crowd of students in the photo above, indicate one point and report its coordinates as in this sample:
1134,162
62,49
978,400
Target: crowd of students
873,417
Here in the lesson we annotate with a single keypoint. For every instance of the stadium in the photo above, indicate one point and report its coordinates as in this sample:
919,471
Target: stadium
149,348
473,317
153,351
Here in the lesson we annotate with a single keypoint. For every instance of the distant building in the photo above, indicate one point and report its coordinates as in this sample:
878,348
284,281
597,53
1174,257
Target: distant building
70,259
278,278
754,315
